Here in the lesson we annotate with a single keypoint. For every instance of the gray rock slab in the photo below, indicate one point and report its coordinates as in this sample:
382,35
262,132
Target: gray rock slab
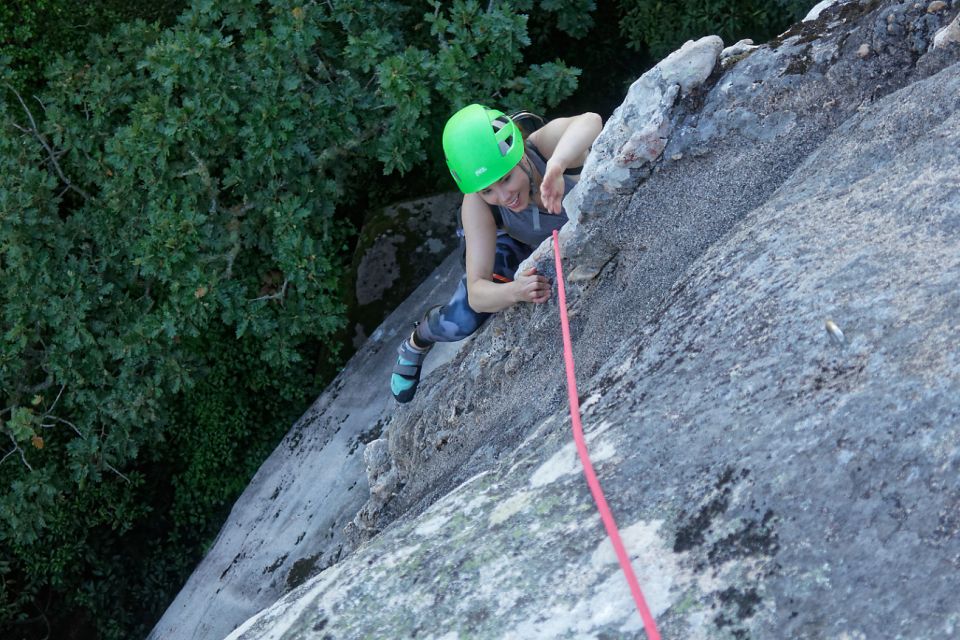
288,524
948,35
398,247
771,478
770,481
673,211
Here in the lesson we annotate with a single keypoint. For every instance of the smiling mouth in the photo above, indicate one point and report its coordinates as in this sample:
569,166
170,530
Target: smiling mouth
514,203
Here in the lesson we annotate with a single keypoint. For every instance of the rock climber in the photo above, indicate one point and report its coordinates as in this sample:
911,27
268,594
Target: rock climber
513,193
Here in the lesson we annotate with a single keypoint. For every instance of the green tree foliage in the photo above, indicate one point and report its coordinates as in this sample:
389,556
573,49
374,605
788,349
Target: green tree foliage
173,235
660,26
32,30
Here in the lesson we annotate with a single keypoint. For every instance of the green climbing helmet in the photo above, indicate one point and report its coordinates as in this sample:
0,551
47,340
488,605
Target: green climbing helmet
481,146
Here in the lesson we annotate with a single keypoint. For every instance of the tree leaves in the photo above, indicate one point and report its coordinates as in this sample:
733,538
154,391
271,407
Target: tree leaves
663,26
210,166
22,424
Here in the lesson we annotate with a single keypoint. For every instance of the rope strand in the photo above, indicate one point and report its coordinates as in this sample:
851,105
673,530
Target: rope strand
605,514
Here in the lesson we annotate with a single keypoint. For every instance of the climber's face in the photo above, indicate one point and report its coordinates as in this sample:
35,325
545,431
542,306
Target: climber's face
511,191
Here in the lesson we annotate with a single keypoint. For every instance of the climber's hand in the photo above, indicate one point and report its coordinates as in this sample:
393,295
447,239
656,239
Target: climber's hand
551,189
531,287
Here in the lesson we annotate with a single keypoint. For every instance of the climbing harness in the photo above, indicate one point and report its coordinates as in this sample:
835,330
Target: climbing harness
608,522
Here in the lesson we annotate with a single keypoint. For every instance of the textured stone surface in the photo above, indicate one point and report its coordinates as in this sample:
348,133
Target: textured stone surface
739,49
623,155
289,523
949,35
771,479
398,248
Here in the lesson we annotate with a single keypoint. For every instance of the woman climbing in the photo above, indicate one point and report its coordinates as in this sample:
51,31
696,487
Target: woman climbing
513,192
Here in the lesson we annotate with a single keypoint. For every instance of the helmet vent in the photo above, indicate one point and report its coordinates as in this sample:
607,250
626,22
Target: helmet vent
507,143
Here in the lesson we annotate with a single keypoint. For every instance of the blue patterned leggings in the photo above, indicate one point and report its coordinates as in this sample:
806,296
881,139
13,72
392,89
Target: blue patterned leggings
456,320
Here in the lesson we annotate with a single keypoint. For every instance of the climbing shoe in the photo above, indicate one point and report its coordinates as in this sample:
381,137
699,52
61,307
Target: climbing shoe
406,372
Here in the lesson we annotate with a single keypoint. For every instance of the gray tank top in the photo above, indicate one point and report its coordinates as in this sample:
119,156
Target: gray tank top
532,226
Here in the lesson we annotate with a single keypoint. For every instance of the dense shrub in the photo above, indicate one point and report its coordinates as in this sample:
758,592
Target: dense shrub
172,242
34,31
660,27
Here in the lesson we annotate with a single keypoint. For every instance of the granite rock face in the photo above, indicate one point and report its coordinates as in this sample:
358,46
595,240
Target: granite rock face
765,330
773,479
289,523
399,246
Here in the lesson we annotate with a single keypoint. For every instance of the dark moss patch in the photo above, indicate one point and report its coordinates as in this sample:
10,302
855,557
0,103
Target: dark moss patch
691,103
276,565
851,10
836,376
815,29
692,532
367,436
732,61
738,606
301,571
798,66
752,539
808,32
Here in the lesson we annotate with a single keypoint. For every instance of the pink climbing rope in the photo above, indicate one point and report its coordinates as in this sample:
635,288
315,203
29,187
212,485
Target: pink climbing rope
608,522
